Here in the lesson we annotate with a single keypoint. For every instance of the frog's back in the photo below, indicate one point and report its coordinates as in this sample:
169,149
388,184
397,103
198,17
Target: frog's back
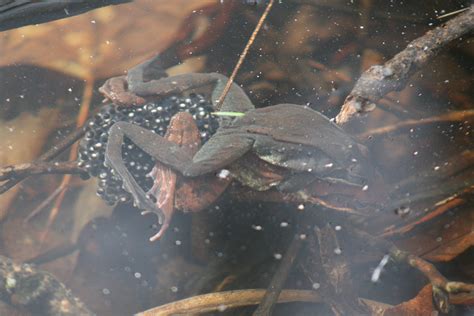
297,124
301,126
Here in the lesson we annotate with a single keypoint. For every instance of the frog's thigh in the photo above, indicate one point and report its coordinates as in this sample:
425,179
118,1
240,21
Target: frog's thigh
220,151
156,146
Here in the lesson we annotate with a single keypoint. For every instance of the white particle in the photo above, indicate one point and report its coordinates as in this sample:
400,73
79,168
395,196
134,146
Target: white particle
329,165
283,224
174,289
365,187
223,174
338,227
338,251
137,275
257,227
415,153
106,291
277,256
221,308
302,236
378,270
178,242
403,211
316,286
10,282
301,207
93,21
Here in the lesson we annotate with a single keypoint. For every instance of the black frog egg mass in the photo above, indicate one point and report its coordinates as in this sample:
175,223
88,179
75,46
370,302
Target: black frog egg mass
153,116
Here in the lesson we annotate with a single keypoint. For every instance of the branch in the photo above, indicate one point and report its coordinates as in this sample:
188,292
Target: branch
379,80
274,289
36,168
22,286
220,301
442,287
47,156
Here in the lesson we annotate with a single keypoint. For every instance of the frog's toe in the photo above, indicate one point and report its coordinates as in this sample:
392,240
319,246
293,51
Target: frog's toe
163,229
144,203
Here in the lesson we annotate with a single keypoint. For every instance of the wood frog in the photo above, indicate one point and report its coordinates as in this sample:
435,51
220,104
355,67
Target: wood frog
284,146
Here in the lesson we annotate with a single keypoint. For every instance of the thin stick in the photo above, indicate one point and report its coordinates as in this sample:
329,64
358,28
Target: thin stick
274,289
37,168
447,117
243,55
43,204
220,301
81,120
47,156
443,289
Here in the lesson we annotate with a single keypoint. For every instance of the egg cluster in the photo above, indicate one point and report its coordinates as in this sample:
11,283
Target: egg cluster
154,116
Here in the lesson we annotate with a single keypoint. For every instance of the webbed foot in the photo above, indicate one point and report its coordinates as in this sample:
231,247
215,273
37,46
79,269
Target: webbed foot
164,187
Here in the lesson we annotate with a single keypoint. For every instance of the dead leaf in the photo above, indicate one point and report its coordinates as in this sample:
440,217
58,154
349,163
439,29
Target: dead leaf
100,43
443,239
421,305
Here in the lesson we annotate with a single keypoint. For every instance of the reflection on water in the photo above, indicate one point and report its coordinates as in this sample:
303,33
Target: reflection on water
418,146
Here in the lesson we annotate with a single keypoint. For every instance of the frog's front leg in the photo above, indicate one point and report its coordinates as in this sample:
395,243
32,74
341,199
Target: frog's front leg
147,79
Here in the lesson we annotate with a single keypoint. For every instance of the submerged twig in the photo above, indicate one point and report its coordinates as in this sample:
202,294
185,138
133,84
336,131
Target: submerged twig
379,80
447,117
47,156
443,289
221,301
274,289
243,55
41,167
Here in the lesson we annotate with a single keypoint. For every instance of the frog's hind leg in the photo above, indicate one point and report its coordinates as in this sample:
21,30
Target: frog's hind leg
164,188
163,150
